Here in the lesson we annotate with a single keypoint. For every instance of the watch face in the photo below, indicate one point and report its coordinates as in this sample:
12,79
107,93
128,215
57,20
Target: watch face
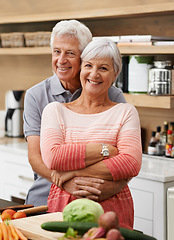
105,153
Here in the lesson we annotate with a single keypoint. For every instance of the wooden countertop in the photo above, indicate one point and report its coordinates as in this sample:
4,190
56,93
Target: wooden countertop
7,140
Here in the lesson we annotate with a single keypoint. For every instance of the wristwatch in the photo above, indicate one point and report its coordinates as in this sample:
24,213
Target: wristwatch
105,151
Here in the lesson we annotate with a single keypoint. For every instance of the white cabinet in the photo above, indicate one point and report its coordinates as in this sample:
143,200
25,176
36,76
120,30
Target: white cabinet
16,174
149,191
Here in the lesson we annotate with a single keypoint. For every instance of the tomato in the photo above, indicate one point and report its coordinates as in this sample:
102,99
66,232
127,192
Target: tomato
19,215
10,211
6,216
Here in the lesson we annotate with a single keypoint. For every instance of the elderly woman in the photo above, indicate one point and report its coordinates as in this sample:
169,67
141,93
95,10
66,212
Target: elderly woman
80,138
68,39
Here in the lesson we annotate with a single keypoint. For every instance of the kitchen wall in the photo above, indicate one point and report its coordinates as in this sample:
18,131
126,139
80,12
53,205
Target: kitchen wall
23,71
105,18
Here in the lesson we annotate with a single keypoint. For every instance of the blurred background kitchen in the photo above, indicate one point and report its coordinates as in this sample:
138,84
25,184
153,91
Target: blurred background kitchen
147,80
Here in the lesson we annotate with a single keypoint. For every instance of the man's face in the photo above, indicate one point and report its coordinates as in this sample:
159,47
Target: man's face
66,60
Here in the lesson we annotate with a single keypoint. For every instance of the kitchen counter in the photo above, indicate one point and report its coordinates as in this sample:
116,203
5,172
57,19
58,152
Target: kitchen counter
14,145
153,167
157,168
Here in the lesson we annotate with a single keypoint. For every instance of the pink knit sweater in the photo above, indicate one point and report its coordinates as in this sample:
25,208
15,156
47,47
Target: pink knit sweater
64,134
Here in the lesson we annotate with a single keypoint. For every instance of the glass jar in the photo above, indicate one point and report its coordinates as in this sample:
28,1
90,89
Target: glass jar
159,82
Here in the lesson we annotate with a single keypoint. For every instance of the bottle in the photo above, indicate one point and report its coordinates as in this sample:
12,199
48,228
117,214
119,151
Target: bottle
160,150
152,144
169,144
172,128
164,134
172,152
158,133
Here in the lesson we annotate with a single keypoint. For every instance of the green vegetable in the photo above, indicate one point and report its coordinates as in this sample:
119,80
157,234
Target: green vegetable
80,227
134,235
83,227
82,210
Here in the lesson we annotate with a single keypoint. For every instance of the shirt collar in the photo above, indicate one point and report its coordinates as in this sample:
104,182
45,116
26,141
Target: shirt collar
56,86
58,89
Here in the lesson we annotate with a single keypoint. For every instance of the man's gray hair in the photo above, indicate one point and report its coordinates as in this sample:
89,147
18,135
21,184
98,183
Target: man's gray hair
72,28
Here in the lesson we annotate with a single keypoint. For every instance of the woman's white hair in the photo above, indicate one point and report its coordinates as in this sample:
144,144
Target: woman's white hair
72,28
103,47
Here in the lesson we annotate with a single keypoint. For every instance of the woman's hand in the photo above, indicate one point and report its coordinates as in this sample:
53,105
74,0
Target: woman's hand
60,177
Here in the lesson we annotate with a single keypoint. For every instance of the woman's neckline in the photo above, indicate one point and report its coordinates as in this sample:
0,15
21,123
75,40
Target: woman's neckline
89,114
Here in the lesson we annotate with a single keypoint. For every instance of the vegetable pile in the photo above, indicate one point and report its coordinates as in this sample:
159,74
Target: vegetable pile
84,221
10,214
108,227
9,232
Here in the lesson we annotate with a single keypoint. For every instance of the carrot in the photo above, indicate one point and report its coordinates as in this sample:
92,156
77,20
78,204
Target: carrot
20,235
10,237
4,231
0,232
13,232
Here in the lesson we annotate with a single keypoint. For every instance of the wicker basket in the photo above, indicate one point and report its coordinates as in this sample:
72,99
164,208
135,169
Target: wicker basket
15,39
37,39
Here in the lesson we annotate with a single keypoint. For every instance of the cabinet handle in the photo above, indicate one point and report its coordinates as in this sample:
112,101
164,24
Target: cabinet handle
26,178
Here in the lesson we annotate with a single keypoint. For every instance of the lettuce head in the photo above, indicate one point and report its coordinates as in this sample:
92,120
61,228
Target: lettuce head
82,210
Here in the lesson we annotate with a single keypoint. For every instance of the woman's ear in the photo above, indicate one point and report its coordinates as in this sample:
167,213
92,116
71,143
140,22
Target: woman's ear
116,74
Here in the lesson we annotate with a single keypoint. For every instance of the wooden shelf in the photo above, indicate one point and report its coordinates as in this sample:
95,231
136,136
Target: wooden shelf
25,51
132,50
144,100
80,12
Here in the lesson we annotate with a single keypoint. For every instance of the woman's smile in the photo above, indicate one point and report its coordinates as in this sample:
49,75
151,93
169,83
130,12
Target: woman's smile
94,82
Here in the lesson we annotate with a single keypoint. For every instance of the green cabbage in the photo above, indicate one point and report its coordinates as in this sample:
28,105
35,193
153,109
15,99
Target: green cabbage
82,210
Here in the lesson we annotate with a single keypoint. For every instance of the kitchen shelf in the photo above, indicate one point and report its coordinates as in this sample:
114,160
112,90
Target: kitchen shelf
81,13
131,50
144,100
126,50
25,51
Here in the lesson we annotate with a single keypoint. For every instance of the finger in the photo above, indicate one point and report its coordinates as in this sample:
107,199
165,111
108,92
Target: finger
85,194
81,193
86,179
88,183
92,190
88,191
60,184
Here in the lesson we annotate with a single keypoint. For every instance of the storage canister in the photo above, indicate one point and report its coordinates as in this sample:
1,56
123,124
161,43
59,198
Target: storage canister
138,73
159,82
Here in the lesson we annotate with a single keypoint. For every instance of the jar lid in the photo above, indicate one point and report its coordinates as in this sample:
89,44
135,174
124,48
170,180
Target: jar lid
160,64
153,133
169,132
158,128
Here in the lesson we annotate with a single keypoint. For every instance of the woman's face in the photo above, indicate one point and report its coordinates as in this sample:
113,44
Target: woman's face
97,75
66,60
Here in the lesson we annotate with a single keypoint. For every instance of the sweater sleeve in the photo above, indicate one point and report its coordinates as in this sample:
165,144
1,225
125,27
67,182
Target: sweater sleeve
127,163
55,153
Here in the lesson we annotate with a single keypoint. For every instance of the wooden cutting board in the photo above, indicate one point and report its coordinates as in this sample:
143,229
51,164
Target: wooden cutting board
31,226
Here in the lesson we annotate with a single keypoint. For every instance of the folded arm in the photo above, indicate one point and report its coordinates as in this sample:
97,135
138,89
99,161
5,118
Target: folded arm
82,161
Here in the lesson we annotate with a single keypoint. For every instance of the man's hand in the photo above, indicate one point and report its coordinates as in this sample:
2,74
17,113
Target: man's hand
93,188
90,189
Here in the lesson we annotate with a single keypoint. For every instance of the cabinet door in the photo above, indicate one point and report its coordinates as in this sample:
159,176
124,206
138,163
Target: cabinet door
18,175
2,175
